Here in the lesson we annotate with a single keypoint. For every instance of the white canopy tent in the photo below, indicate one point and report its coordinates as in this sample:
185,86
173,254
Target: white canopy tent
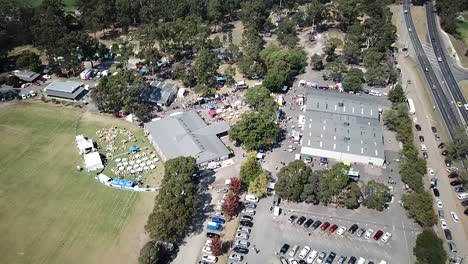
93,161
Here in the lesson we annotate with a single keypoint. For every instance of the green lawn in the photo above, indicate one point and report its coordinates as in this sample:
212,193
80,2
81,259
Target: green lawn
463,28
50,212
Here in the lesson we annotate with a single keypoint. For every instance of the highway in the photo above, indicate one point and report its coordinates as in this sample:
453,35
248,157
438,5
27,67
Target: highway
442,100
438,47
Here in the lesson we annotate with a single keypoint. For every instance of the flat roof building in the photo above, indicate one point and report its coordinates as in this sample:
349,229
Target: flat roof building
343,127
186,134
66,90
159,93
26,75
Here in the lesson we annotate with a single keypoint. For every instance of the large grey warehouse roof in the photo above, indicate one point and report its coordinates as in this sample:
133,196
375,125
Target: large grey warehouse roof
343,123
158,92
186,134
69,90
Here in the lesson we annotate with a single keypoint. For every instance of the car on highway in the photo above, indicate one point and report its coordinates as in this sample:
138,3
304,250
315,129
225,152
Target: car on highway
241,250
443,224
425,156
409,29
454,217
434,129
236,257
448,234
333,228
368,233
284,248
316,224
352,229
308,223
466,107
292,218
325,226
209,258
304,252
418,127
246,223
321,257
293,251
405,11
421,139
386,237
439,203
301,220
360,232
341,231
459,104
439,59
436,192
455,182
312,256
378,235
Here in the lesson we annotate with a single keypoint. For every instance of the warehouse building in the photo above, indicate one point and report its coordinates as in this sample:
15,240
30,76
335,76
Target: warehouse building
186,134
69,90
158,93
343,127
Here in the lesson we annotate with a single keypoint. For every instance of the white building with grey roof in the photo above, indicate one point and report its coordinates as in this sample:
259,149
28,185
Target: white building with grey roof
343,127
186,134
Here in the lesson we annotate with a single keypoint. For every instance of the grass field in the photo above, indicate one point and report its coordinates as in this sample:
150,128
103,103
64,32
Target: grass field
50,212
463,28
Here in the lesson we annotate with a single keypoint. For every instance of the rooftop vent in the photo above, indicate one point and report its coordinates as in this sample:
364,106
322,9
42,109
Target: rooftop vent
340,104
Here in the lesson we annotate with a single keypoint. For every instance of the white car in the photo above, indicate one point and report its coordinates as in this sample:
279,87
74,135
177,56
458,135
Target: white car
431,172
219,213
439,203
423,147
208,242
46,76
242,242
24,85
207,249
454,217
321,257
293,250
386,237
462,196
235,256
242,235
312,256
341,231
251,198
409,29
292,261
466,107
243,229
405,11
368,233
304,252
443,224
209,258
439,59
248,211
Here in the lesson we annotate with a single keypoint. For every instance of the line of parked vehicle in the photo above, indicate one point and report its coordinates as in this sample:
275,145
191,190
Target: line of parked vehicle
340,231
309,256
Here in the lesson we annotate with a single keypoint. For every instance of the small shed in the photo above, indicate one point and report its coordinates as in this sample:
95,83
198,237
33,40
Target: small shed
93,161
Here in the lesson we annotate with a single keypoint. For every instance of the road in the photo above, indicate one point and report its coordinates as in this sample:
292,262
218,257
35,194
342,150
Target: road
450,118
439,51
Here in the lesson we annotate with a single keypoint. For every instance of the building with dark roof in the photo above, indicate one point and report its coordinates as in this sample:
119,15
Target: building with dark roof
66,90
186,134
343,127
26,75
158,93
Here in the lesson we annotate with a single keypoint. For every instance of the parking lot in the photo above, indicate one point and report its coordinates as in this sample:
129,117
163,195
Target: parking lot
269,233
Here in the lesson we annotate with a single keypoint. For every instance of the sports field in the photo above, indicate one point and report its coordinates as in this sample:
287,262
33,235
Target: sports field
50,212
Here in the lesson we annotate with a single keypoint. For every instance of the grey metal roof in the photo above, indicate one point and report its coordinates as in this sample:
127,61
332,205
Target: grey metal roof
159,92
343,123
26,75
68,90
185,134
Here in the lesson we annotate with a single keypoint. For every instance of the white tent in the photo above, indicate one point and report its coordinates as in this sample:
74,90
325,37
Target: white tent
93,161
84,145
181,93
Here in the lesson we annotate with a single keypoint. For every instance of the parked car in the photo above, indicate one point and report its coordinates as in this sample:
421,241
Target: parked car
352,260
312,256
443,224
246,218
242,235
325,226
386,237
378,235
444,153
448,234
243,229
464,203
248,211
341,231
209,258
454,217
316,224
453,247
330,258
207,249
241,250
342,259
251,198
455,182
360,232
250,205
465,212
304,252
308,223
439,203
448,163
353,229
453,175
211,235
292,218
333,228
368,233
418,127
246,223
421,139
301,220
434,129
436,192
293,251
462,196
242,243
236,257
441,145
284,248
459,189
321,257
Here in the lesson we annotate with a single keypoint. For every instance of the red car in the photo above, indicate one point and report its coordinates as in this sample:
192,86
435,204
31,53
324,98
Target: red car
378,234
333,228
325,226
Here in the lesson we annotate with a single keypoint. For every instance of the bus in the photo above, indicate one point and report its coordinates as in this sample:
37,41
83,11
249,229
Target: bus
411,108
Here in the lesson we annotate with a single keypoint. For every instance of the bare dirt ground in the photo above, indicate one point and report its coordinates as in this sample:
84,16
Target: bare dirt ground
464,88
420,22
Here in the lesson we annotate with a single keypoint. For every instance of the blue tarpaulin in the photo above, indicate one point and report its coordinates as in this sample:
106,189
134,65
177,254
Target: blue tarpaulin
133,149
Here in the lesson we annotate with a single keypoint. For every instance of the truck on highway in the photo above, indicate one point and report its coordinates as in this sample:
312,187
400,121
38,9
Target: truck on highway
214,226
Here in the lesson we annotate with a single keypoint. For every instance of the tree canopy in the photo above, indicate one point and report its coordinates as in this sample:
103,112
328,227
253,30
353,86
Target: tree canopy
250,169
419,207
429,248
255,130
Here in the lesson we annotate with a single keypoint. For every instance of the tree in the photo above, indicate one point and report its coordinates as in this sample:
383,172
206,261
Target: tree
204,91
151,55
375,195
28,59
352,51
259,185
317,62
254,14
332,182
215,11
316,12
372,58
250,169
330,48
287,34
127,13
397,95
205,67
349,197
256,96
378,75
230,206
335,69
97,15
291,181
429,248
235,185
353,80
152,253
347,13
216,246
255,130
419,207
124,51
277,76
